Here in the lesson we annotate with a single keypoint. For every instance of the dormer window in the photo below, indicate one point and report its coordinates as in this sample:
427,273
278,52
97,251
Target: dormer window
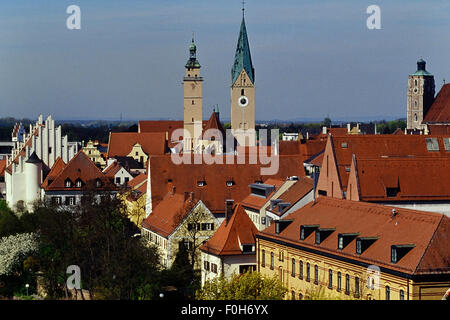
344,145
247,248
68,183
201,183
362,243
323,233
306,230
98,183
230,183
432,144
345,238
78,183
398,251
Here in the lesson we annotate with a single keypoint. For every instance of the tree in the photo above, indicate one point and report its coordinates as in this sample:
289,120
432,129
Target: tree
248,286
326,122
98,237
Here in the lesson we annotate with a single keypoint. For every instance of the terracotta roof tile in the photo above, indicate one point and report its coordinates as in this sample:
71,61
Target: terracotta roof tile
121,143
257,202
80,167
138,180
376,175
427,231
166,216
185,178
440,109
2,167
57,168
229,237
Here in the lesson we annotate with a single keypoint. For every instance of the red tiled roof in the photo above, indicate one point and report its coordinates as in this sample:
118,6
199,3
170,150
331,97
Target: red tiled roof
80,167
439,129
295,193
138,180
214,123
428,232
185,178
418,179
56,169
440,109
2,167
166,216
229,237
121,143
398,131
257,202
381,146
112,169
160,126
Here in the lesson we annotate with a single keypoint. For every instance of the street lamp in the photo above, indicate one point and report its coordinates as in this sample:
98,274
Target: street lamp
26,286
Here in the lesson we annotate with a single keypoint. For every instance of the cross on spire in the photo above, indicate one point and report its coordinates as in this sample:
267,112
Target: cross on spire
243,7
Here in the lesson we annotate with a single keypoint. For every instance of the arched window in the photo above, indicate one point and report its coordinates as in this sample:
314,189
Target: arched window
415,117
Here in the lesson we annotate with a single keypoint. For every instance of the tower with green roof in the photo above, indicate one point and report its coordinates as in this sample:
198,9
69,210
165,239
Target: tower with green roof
421,90
243,90
192,83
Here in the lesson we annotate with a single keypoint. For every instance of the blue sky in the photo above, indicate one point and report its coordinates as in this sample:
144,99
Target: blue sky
312,59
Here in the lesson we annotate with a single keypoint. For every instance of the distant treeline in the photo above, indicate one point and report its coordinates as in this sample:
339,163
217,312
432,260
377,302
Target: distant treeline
77,131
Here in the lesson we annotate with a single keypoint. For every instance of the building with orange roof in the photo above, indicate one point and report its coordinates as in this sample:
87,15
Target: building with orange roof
394,181
295,196
117,173
261,195
31,159
337,158
68,184
180,219
212,183
137,145
355,250
232,249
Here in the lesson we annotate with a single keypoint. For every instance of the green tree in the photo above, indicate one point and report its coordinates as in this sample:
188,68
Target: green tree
247,286
98,237
326,122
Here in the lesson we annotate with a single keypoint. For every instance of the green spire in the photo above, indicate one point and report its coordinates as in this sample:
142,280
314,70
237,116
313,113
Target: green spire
192,62
421,71
242,58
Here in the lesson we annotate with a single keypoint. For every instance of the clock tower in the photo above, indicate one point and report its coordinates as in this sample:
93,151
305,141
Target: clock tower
243,91
192,83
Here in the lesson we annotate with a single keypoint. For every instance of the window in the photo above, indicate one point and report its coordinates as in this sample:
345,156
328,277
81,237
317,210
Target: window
293,267
98,183
308,272
340,242
230,183
263,259
292,295
56,200
206,265
415,114
402,295
193,104
330,279
432,144
201,183
317,237
339,282
271,260
358,246
68,183
344,145
447,144
117,180
246,248
214,268
356,287
316,274
347,284
280,255
388,293
393,254
70,201
242,92
78,183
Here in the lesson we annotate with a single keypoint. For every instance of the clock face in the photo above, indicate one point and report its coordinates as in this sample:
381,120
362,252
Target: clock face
243,101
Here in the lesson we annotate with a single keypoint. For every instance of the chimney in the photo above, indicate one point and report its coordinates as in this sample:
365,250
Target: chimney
324,130
348,127
307,135
228,210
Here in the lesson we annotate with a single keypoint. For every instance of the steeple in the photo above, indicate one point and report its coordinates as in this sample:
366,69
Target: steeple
192,62
242,58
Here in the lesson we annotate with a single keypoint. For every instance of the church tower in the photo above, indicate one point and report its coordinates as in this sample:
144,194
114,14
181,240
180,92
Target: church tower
192,84
243,91
420,95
